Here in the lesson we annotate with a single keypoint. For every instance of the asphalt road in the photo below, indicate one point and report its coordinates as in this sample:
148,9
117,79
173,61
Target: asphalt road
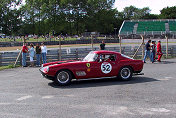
24,93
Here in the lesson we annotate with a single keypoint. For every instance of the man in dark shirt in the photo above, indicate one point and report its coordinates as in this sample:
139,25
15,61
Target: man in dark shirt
38,54
102,46
147,50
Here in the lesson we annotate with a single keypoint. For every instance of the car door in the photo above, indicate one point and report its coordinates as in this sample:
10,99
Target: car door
104,67
108,65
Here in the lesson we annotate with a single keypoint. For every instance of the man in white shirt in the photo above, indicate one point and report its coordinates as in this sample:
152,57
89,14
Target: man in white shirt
44,52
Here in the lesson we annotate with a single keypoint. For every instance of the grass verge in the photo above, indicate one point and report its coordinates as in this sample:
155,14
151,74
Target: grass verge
8,67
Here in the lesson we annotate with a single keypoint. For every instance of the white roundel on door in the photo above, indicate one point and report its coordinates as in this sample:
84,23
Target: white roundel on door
106,67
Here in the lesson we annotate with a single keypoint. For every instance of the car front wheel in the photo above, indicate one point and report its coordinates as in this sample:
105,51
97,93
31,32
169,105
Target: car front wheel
125,73
63,77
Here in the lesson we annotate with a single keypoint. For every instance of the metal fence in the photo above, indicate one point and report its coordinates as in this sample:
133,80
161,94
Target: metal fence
81,41
9,58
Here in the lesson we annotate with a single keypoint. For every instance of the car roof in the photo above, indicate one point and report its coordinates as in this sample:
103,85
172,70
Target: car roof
105,52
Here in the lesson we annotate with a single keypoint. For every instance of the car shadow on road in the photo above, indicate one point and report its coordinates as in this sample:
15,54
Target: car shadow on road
162,62
102,82
166,62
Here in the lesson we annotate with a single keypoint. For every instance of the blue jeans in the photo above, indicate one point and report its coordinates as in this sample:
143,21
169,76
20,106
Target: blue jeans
38,56
24,58
152,56
44,58
147,53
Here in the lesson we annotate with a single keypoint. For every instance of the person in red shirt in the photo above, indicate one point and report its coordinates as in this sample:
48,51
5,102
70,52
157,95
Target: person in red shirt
24,54
159,52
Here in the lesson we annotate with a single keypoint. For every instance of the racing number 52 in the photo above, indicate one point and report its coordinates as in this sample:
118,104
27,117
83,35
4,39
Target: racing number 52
106,68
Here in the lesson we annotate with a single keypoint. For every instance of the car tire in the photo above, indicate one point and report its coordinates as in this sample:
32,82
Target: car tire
125,73
63,77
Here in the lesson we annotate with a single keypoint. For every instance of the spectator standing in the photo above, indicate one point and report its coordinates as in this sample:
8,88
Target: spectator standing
31,54
38,54
159,52
24,54
147,50
102,46
44,52
153,51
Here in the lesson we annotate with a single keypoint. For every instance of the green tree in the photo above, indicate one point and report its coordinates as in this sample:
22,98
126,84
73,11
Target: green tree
9,16
132,12
168,13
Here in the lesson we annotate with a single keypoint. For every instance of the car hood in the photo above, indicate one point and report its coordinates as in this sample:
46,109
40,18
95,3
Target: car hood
58,63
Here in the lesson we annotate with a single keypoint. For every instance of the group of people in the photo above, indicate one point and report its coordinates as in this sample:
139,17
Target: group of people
39,51
150,51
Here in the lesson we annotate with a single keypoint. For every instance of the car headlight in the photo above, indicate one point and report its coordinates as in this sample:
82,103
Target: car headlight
45,69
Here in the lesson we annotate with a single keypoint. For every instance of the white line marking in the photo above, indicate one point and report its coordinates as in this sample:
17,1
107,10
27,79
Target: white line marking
5,103
168,77
163,79
47,97
69,95
24,98
162,110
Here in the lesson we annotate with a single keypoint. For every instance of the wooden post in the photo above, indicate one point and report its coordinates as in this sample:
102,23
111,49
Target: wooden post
76,54
17,58
143,50
0,59
60,51
24,39
92,42
137,50
120,39
166,46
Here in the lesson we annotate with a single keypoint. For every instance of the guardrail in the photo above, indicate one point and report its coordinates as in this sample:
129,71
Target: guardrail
9,58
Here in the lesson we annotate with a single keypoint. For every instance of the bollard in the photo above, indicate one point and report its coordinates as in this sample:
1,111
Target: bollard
76,52
171,52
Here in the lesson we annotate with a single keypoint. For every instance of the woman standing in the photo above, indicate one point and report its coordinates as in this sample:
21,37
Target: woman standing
44,52
31,54
38,54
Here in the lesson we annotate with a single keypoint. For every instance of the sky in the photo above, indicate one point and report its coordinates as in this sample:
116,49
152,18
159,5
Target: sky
154,5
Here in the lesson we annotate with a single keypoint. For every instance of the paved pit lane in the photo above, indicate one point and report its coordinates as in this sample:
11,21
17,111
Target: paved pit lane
24,93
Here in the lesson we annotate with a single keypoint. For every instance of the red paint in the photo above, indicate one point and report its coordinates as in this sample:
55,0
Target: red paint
95,71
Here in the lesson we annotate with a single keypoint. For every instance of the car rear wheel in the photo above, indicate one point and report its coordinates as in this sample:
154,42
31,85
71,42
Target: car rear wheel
63,77
125,73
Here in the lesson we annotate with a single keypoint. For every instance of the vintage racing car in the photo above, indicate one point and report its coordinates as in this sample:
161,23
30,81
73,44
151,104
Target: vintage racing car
95,65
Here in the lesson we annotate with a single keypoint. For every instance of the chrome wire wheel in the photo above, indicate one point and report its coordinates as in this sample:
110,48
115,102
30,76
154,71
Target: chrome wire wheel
63,77
125,73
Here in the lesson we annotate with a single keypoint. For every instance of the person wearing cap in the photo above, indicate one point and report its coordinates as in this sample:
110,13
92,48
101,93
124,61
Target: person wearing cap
159,52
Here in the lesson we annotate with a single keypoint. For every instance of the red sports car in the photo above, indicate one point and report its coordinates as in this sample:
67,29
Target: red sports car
95,65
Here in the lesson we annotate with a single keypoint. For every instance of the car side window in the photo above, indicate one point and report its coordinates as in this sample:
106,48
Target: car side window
107,57
112,57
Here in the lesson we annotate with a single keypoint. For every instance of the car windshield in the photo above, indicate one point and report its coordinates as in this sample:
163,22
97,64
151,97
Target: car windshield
91,57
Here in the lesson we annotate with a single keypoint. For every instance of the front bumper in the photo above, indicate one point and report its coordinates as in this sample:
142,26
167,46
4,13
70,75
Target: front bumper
46,76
